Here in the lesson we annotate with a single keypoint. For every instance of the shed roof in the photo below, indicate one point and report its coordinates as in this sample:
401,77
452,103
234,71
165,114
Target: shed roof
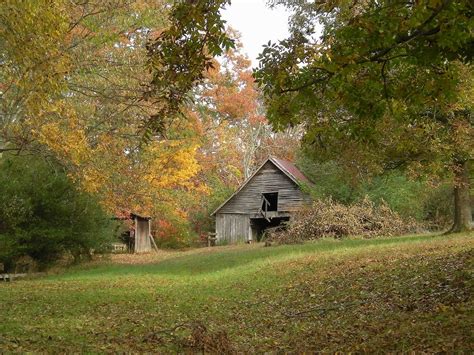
129,216
285,166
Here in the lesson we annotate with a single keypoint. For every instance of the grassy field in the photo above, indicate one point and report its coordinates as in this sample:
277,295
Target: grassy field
399,294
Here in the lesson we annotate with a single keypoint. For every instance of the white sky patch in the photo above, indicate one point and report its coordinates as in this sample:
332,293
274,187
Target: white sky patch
257,23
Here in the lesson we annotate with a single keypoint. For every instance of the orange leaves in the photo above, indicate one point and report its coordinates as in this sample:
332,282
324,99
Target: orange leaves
164,228
214,71
233,93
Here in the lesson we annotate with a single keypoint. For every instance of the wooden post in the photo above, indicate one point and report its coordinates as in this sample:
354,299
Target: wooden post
136,234
266,203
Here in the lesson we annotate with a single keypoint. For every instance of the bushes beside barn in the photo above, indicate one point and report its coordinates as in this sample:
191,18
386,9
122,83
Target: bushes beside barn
423,200
327,218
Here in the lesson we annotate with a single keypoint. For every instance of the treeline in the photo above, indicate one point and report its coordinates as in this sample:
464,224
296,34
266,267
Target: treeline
84,90
427,201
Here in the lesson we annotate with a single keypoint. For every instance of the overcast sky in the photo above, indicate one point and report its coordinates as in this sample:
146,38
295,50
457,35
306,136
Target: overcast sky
257,24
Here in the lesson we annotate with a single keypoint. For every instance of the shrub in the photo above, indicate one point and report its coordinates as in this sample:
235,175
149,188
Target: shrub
200,214
327,218
172,232
417,199
43,216
440,206
330,180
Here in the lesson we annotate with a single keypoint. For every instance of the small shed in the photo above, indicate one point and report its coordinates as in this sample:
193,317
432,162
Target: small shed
266,199
142,231
138,238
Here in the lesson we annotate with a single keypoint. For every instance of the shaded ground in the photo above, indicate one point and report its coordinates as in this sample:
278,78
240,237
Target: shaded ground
410,293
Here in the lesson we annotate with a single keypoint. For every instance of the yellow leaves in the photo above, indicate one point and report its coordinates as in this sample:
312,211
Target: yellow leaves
33,34
73,89
171,164
143,5
110,165
58,127
93,179
69,144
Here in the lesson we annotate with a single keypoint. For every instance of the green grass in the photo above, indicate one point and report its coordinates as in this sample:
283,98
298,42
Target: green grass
399,294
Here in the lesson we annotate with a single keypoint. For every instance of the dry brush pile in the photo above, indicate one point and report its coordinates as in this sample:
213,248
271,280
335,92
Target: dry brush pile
327,218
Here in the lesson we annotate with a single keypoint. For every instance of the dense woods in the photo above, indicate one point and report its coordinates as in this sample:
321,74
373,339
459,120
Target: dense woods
152,107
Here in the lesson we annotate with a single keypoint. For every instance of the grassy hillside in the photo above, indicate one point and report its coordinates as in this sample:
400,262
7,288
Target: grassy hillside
409,293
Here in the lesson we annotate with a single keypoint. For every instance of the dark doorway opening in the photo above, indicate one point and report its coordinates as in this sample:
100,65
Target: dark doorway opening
270,201
260,225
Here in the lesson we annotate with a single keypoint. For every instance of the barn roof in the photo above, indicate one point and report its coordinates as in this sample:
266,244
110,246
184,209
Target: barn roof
290,170
285,166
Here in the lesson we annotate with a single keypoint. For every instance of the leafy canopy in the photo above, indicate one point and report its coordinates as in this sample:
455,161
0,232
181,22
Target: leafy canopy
181,54
383,84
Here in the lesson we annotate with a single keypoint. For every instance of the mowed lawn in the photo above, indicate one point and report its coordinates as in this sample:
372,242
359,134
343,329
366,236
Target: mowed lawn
398,294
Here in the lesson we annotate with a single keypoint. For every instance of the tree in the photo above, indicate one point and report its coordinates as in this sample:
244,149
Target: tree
61,59
180,56
75,83
43,215
236,135
386,85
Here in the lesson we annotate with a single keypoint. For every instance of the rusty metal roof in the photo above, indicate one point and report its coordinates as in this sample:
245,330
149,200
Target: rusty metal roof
290,168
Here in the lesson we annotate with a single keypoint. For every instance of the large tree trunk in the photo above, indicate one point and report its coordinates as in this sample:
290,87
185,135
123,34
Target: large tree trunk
462,199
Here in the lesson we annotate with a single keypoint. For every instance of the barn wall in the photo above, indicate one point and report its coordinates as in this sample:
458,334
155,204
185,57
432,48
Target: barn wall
232,228
268,179
142,240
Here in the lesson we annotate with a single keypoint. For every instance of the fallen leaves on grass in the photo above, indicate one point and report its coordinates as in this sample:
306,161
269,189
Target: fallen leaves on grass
199,338
394,295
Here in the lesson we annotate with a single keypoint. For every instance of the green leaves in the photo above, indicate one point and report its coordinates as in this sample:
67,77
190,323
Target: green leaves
372,86
179,56
387,85
43,215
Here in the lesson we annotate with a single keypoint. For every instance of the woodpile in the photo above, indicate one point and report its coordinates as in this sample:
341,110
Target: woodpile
327,218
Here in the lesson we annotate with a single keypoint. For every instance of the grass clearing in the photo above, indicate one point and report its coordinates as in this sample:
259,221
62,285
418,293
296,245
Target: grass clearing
407,293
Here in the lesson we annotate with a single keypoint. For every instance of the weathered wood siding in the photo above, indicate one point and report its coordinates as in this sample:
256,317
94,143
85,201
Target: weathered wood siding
268,179
142,239
232,228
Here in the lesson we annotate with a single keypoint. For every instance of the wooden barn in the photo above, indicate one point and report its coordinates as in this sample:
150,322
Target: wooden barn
266,199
